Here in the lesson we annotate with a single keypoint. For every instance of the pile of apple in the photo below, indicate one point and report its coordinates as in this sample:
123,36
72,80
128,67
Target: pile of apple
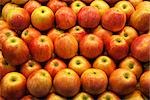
74,49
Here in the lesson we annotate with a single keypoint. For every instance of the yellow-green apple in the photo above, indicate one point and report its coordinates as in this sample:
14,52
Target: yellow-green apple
29,97
135,95
39,83
3,2
29,67
77,5
114,19
29,34
91,46
65,18
129,34
87,1
54,66
94,81
3,24
68,1
140,48
54,96
144,83
101,5
88,17
31,5
108,95
143,5
42,18
66,46
13,86
117,47
41,48
70,83
78,32
105,63
54,5
83,96
122,81
19,2
20,50
132,65
135,2
79,64
111,2
126,7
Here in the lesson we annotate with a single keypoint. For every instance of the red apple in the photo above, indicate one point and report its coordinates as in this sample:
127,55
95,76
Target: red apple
39,83
54,96
13,86
135,2
88,17
87,1
54,66
1,98
43,1
65,18
122,81
108,95
28,97
68,1
114,19
111,2
19,2
41,48
70,83
66,46
83,96
91,46
20,50
3,2
3,24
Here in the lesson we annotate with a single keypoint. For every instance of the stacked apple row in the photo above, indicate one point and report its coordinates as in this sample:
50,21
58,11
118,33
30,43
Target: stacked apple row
66,49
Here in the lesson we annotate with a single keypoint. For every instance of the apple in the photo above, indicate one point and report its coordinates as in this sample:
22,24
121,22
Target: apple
13,86
105,63
20,50
114,19
42,18
70,83
144,83
117,47
83,96
65,18
111,2
140,48
91,46
77,5
41,48
1,98
79,64
68,1
31,5
88,17
54,96
132,65
66,46
54,66
125,81
29,34
108,95
143,5
78,32
54,5
135,2
129,34
29,67
87,1
3,2
29,97
101,5
39,83
19,2
135,95
3,24
43,1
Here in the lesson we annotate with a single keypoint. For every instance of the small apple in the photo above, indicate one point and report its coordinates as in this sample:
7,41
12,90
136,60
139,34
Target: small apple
3,24
108,95
83,96
19,2
54,96
29,97
3,2
136,95
135,2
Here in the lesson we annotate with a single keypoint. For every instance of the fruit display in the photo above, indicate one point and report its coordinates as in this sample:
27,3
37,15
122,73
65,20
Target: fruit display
74,49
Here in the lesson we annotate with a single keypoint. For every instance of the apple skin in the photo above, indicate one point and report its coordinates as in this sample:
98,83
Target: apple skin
65,18
114,19
91,80
39,83
79,64
54,96
108,95
31,5
68,88
66,46
29,34
54,5
87,1
125,81
20,50
111,2
41,48
140,48
83,96
144,83
86,16
11,83
29,97
43,1
135,2
29,67
1,98
42,18
143,5
135,95
68,1
117,47
3,2
3,24
132,65
19,2
54,66
105,63
91,46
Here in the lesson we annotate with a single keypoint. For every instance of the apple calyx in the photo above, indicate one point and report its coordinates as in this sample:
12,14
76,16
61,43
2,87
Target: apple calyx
131,65
55,64
84,97
78,62
126,75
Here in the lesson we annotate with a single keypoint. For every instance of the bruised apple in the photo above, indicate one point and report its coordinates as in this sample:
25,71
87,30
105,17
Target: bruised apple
83,96
108,95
